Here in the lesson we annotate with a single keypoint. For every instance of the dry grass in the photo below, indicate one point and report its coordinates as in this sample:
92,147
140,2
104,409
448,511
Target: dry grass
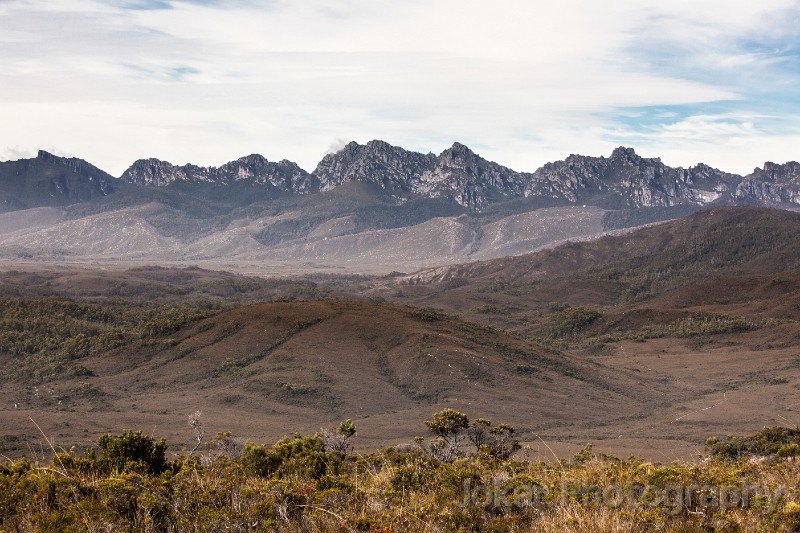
391,491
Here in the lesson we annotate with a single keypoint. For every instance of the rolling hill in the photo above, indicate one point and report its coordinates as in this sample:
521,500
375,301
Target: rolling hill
263,370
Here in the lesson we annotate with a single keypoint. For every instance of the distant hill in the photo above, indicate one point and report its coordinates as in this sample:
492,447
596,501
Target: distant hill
733,267
725,240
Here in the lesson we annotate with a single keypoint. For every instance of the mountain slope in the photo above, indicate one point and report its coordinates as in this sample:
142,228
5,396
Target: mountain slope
714,241
51,181
731,270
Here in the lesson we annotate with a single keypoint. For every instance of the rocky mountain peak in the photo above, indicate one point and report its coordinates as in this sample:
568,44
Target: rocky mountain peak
152,172
459,153
376,145
253,169
252,159
73,163
625,153
468,179
773,184
51,180
393,168
786,173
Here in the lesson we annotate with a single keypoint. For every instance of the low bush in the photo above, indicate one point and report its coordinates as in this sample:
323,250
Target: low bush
296,485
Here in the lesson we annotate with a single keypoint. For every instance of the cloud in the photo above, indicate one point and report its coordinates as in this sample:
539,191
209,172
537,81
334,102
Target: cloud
12,153
336,146
527,82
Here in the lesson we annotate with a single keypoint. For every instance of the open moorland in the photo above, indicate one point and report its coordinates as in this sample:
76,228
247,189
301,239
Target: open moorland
646,381
645,344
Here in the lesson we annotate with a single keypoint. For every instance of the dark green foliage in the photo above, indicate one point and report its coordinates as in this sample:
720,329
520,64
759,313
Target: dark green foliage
302,455
133,451
768,441
426,315
573,320
48,337
256,460
503,442
451,427
499,442
448,423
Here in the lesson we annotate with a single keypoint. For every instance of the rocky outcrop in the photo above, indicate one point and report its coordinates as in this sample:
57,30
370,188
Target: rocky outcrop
255,169
470,180
626,180
623,180
772,185
392,168
457,173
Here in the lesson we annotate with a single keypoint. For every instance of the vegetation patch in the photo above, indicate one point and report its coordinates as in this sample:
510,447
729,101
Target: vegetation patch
769,441
573,321
48,337
426,315
464,479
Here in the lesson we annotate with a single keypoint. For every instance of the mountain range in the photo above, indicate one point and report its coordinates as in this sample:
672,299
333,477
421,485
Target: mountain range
371,206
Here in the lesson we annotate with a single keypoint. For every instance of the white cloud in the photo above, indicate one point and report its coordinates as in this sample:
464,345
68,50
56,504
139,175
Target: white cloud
525,82
732,142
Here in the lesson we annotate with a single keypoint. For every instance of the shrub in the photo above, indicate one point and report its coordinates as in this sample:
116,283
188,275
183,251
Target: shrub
449,426
499,442
339,440
133,451
257,461
573,320
768,441
299,456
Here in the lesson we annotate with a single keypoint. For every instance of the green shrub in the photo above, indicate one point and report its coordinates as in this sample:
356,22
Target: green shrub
573,320
133,451
302,457
791,450
768,441
426,315
256,461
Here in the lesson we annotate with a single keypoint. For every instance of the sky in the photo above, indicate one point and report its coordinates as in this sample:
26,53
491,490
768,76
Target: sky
520,82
